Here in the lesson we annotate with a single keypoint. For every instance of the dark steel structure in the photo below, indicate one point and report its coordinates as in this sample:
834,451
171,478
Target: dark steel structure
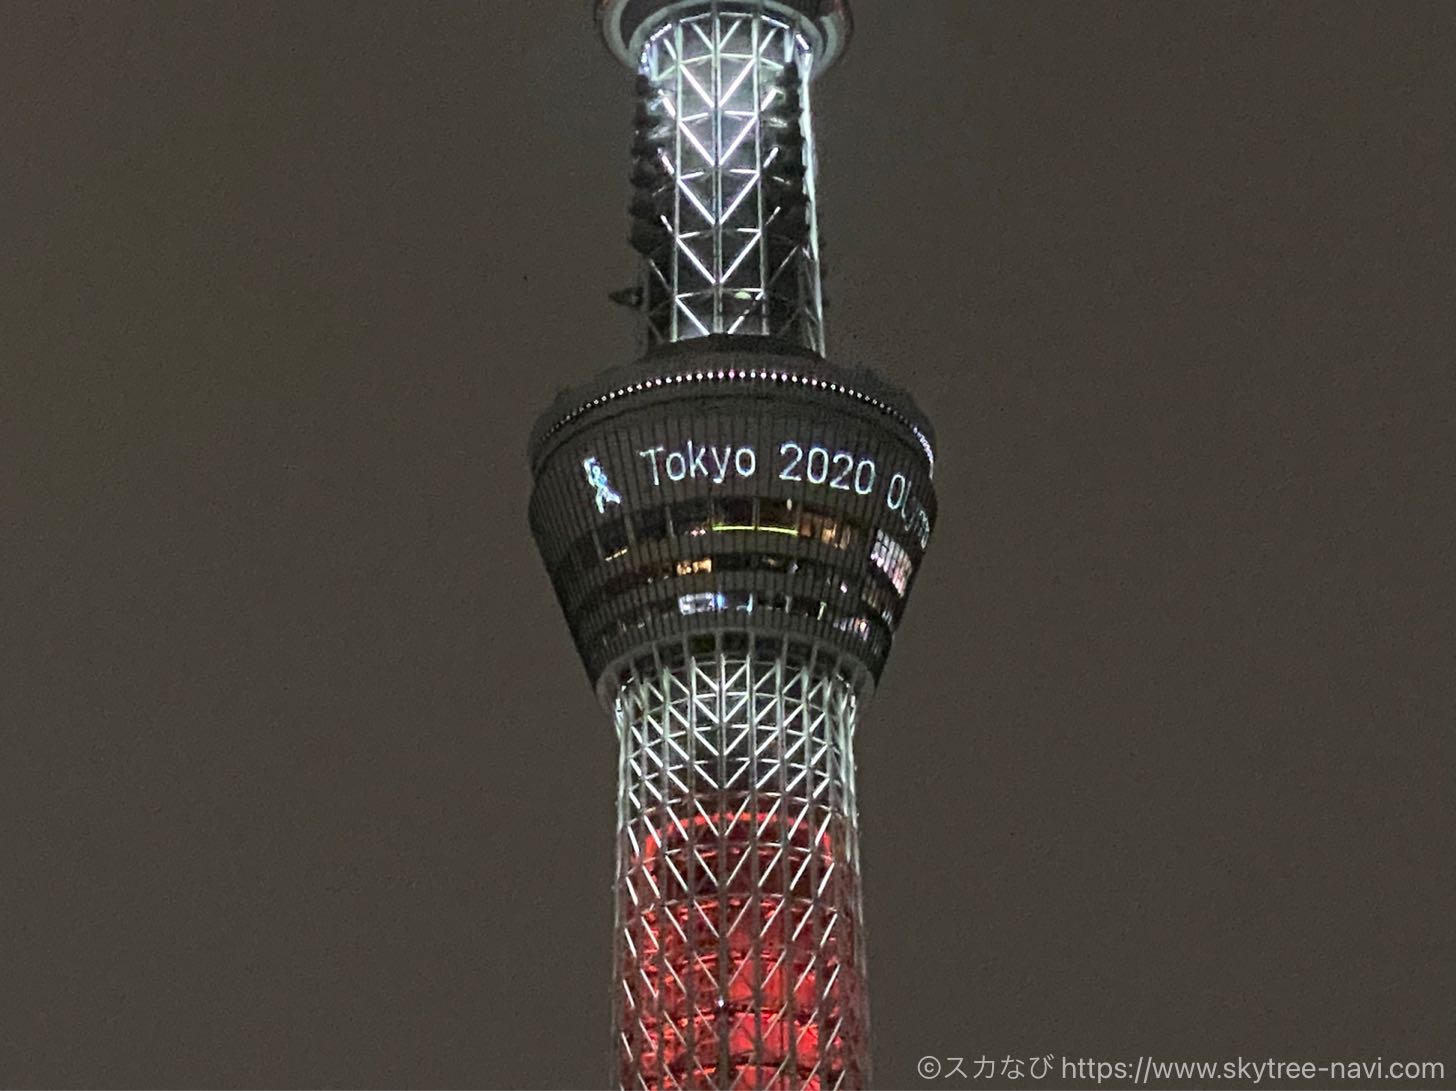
732,525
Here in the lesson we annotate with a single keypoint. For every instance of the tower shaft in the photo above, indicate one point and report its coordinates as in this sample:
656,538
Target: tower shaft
723,175
739,953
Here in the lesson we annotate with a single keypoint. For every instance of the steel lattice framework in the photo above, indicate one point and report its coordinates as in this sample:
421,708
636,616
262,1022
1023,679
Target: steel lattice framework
732,525
738,948
727,105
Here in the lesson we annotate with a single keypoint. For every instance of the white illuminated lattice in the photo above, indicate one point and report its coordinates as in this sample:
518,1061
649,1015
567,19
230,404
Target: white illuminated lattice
739,952
716,77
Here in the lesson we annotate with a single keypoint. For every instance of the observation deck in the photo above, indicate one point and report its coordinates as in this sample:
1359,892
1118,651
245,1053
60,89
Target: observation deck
732,493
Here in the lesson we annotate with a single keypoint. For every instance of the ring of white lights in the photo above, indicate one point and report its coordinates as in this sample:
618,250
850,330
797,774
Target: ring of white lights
627,24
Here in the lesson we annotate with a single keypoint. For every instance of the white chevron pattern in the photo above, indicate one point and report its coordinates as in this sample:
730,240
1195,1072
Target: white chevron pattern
739,953
716,79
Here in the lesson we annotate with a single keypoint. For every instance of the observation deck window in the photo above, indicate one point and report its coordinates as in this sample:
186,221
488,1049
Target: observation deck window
826,528
651,524
733,513
892,560
613,539
778,515
692,517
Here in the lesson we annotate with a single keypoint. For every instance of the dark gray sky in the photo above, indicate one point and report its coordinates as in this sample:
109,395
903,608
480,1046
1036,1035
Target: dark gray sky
306,784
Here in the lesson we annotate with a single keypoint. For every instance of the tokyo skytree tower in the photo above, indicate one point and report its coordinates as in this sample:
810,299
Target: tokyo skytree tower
732,525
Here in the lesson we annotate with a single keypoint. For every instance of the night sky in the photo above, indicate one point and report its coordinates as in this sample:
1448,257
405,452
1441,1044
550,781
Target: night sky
303,782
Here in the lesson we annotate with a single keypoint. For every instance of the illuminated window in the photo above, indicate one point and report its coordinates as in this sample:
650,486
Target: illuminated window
733,513
878,599
704,602
822,527
701,564
892,560
779,516
697,516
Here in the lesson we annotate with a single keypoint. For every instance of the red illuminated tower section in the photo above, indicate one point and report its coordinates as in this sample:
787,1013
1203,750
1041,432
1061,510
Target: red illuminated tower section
732,525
